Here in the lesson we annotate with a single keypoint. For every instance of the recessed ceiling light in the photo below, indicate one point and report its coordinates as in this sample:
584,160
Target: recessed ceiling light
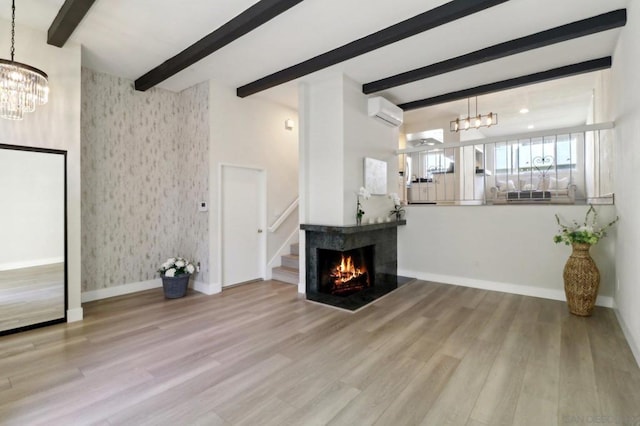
524,110
530,126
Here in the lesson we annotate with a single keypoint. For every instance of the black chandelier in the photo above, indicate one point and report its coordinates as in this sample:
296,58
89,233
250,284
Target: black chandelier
475,122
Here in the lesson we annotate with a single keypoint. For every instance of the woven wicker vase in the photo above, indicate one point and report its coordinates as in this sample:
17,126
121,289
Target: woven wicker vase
581,281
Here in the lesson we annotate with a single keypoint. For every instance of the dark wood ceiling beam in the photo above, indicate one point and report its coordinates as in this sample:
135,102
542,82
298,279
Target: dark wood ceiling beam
441,15
552,74
66,21
250,19
604,22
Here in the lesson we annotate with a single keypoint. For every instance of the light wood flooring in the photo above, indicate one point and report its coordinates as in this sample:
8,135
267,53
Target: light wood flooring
31,296
258,354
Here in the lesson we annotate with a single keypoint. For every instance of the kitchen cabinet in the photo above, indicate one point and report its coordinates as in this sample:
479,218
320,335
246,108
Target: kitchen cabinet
422,192
440,188
444,186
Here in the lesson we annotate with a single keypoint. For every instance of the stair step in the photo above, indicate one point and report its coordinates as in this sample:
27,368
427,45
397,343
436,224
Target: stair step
295,249
291,261
287,275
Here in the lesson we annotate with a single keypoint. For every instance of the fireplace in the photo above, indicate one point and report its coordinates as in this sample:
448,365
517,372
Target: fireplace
344,273
351,266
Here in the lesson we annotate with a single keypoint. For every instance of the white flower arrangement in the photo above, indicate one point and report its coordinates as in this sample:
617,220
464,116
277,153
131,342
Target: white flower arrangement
364,193
176,266
397,206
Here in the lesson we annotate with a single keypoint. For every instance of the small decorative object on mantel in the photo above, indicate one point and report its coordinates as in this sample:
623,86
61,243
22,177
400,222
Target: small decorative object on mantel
581,275
175,273
398,211
363,192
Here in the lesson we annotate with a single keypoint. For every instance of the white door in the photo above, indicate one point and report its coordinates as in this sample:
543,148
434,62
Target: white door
243,233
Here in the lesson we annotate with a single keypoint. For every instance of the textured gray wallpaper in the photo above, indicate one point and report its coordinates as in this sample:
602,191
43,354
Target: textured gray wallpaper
144,169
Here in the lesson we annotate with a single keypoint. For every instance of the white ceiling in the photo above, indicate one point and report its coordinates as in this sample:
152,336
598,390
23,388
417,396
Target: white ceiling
551,105
127,38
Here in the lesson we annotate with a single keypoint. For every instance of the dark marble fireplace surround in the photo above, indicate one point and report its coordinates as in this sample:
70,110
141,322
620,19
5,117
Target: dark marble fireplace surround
383,236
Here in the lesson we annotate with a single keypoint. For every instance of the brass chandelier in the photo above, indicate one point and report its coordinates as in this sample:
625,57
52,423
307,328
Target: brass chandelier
22,87
475,122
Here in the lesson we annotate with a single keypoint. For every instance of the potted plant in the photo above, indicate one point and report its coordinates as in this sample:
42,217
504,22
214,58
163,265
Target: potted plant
581,275
397,206
175,273
363,192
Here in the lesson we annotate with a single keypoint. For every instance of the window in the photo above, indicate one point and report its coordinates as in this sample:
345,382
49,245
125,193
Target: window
537,154
554,168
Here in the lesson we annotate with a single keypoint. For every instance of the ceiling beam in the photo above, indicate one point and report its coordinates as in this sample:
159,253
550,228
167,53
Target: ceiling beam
66,21
441,15
250,19
596,24
512,83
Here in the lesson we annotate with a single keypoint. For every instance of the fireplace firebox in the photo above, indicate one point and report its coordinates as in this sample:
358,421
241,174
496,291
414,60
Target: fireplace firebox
351,266
343,273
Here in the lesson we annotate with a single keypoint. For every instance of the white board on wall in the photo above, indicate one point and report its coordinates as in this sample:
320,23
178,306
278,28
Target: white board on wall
375,176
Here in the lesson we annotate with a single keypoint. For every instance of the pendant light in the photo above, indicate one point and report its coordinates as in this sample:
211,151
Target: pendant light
475,122
22,87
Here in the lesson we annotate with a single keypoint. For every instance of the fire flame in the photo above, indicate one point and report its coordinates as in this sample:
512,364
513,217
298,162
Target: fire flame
346,271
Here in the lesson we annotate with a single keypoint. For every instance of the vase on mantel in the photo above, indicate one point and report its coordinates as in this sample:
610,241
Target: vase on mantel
581,281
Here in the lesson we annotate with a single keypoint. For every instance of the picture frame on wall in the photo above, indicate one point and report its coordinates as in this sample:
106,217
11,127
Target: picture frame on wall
375,176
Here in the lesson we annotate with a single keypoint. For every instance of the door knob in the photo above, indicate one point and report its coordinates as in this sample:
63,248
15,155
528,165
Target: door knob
259,231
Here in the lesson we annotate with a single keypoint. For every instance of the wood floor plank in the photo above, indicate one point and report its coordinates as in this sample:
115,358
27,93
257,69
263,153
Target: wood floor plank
496,404
70,397
578,396
269,411
102,408
259,354
378,394
325,406
4,384
458,397
410,406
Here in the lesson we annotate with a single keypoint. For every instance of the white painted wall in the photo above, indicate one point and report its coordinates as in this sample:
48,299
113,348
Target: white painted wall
324,163
32,186
251,132
336,134
366,137
626,113
55,125
505,248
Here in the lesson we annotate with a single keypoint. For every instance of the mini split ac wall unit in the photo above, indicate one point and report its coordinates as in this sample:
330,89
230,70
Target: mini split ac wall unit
384,111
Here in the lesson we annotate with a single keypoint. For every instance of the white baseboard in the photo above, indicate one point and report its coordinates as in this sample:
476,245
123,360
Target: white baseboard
207,288
524,290
75,314
633,344
30,263
104,293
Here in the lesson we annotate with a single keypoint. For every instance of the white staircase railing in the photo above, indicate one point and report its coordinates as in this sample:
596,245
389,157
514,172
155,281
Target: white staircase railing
292,207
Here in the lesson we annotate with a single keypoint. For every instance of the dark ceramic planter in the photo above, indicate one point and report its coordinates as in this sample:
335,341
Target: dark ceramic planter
175,287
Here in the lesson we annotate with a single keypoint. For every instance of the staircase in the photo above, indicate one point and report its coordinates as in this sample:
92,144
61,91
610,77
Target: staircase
289,272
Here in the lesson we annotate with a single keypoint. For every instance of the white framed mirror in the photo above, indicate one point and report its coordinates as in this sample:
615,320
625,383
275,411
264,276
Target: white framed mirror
33,243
